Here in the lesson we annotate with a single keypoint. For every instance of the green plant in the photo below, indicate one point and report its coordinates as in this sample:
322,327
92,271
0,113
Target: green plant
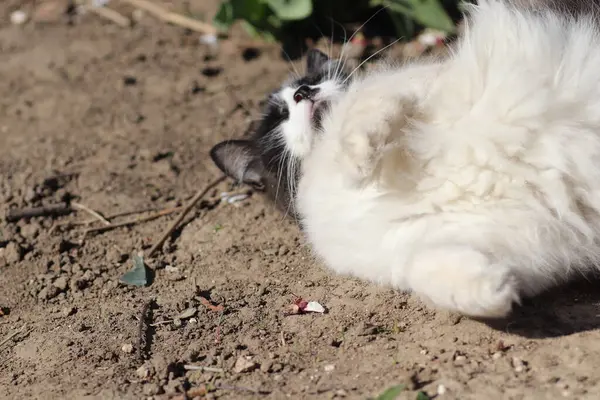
270,19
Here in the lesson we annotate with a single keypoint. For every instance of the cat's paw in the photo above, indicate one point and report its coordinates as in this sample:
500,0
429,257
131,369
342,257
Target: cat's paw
462,279
490,295
370,128
361,148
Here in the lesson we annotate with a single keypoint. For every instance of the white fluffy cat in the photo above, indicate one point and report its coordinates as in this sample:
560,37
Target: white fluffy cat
472,181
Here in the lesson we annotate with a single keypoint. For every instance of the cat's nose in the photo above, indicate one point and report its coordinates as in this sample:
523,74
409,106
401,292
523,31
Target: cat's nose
305,92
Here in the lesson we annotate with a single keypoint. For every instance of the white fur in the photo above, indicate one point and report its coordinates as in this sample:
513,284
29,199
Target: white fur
471,181
298,131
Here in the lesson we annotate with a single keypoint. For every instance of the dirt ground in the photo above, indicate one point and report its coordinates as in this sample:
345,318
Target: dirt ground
122,120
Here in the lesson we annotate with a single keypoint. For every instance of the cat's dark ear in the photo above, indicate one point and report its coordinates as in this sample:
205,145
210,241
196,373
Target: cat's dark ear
315,59
239,160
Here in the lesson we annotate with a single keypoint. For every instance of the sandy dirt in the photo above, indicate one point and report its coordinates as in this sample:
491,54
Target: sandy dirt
122,120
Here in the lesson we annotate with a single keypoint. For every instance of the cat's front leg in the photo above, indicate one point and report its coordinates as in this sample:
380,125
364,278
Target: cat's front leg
463,279
372,127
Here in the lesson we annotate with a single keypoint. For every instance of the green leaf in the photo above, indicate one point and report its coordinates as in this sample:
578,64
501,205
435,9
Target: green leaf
224,17
137,276
429,13
422,396
291,10
391,393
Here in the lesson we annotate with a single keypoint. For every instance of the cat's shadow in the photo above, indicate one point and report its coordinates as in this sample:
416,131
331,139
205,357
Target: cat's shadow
560,312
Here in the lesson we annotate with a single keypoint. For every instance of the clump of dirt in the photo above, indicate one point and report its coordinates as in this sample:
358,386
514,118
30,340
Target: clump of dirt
121,120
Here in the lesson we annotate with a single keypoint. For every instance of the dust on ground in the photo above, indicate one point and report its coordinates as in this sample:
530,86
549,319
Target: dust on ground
122,120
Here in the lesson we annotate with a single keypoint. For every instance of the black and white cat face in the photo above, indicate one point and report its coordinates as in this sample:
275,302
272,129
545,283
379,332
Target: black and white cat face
270,159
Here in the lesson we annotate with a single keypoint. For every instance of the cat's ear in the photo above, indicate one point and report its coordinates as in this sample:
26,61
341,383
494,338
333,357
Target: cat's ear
315,59
239,160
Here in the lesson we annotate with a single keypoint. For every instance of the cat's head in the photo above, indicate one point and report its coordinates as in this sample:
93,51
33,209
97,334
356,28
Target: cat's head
270,159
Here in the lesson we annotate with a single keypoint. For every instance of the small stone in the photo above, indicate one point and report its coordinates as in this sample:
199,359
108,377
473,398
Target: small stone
177,323
30,231
460,360
283,251
47,293
244,364
151,389
13,253
270,251
277,367
68,311
142,372
518,364
175,276
18,17
496,355
329,368
266,366
127,348
441,389
61,283
170,269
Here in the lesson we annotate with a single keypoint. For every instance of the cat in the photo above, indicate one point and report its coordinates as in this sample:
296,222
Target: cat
269,160
472,181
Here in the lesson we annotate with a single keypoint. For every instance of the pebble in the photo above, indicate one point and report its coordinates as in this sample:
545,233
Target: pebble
13,253
128,348
266,366
329,368
142,372
187,313
496,355
48,292
68,311
518,364
441,389
151,389
61,283
30,231
460,360
244,364
277,367
18,17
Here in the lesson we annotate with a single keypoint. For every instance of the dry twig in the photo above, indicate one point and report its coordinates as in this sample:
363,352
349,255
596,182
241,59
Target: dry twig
54,210
185,211
172,17
134,221
95,214
142,331
110,15
203,369
15,333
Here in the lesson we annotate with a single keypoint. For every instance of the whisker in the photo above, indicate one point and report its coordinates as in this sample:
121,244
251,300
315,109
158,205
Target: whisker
368,58
344,60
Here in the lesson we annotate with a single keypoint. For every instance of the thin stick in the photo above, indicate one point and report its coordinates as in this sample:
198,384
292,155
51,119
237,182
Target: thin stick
93,213
110,15
203,369
185,211
172,17
91,221
161,323
133,222
14,215
142,332
12,335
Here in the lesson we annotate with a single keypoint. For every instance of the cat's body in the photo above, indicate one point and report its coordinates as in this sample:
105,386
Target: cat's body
473,181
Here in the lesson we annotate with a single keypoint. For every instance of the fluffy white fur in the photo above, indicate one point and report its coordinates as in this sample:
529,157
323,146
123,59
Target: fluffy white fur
471,181
298,131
